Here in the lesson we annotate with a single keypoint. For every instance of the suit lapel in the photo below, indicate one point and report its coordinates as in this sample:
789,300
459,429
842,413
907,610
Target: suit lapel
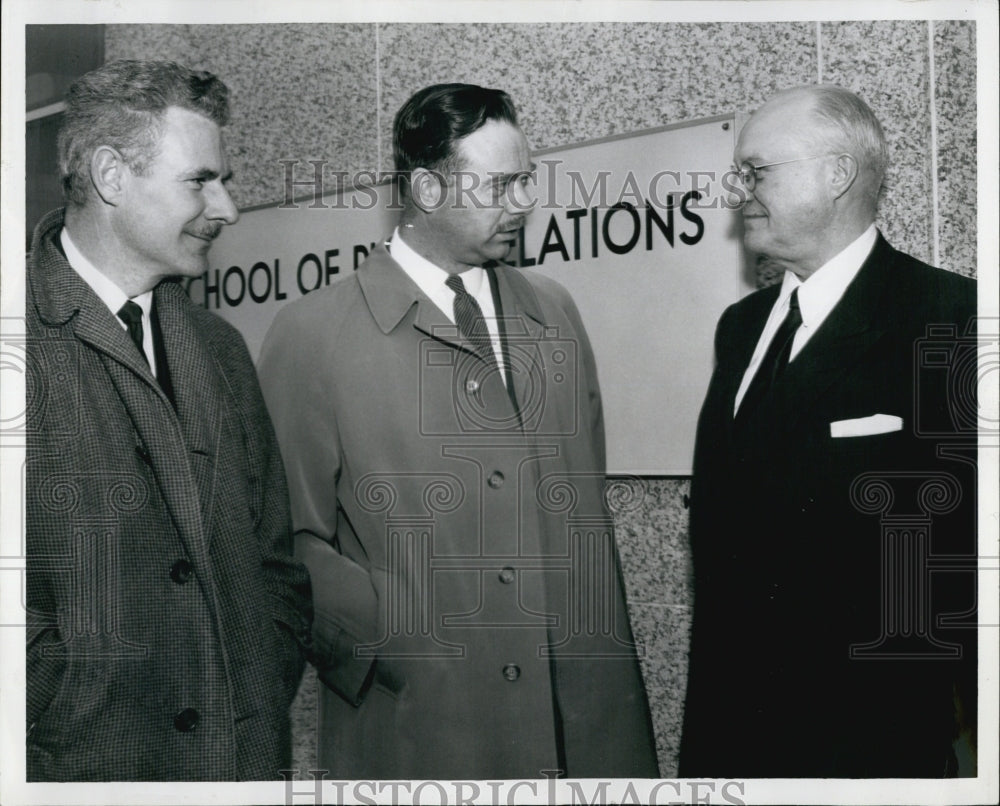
849,331
740,340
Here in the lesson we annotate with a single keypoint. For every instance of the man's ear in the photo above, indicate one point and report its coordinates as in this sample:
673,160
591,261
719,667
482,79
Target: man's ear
108,173
845,173
427,188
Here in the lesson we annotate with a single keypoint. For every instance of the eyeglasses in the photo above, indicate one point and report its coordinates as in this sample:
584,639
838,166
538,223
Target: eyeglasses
747,171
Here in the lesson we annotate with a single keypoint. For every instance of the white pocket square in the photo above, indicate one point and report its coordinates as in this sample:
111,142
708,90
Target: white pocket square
867,426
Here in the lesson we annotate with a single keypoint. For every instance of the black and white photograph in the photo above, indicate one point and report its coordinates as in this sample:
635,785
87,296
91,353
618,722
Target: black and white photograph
500,402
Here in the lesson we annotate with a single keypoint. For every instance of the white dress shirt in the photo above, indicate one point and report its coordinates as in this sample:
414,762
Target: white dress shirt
110,294
431,280
818,295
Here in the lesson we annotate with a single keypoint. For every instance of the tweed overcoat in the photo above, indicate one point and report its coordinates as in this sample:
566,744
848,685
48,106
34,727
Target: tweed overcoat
471,616
165,613
834,608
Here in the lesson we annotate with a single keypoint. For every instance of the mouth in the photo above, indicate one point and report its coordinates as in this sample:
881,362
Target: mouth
207,236
510,231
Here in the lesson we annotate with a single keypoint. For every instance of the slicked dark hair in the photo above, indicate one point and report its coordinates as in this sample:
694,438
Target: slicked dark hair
430,124
122,105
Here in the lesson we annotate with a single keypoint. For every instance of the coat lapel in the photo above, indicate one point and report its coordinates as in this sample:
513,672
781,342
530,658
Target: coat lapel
390,294
199,387
63,300
161,444
523,327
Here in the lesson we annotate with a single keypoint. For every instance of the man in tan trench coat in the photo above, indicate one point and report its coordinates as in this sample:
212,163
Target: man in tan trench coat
444,445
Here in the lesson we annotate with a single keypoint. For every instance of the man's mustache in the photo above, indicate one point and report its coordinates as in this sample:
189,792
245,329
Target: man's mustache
209,233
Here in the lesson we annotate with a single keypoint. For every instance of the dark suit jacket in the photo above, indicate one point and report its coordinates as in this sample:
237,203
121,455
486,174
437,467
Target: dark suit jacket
470,615
800,665
165,612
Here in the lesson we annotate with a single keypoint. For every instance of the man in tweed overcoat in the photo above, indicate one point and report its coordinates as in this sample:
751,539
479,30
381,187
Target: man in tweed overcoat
165,615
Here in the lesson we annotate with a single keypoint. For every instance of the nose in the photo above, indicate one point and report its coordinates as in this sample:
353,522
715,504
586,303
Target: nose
737,197
220,206
736,194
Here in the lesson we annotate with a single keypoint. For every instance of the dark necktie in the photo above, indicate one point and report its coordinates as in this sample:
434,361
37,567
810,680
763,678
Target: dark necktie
131,314
774,361
469,318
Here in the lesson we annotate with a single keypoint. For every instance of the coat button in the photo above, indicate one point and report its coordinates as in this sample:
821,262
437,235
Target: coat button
506,575
495,480
511,672
181,571
186,720
144,454
471,386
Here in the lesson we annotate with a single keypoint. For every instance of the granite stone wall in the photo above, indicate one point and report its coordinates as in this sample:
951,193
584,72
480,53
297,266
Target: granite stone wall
329,91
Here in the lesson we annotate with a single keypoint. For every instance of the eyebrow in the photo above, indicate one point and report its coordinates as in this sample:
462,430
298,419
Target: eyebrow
207,174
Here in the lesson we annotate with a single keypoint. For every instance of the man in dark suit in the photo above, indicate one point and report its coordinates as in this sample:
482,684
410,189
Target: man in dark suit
833,478
441,423
165,614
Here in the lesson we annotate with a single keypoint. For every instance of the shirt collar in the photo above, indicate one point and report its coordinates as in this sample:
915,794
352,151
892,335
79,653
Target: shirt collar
102,285
429,277
822,290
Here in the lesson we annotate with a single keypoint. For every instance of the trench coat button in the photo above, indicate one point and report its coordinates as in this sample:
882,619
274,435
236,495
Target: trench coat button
471,386
506,575
186,721
495,480
181,571
511,672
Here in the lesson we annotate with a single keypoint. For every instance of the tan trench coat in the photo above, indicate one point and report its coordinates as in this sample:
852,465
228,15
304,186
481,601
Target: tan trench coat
471,618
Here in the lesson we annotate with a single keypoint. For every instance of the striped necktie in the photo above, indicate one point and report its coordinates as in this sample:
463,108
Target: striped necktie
470,321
